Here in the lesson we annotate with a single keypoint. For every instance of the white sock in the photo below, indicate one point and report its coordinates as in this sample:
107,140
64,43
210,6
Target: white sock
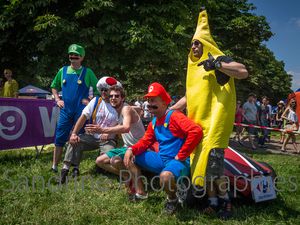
66,167
213,201
225,197
172,200
54,167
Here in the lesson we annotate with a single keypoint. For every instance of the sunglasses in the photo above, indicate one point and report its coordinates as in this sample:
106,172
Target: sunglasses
196,43
152,107
114,96
104,89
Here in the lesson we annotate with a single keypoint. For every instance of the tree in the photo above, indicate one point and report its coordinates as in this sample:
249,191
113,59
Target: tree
137,41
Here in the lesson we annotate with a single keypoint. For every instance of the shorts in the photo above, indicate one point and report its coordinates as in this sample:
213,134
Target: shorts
152,161
215,164
251,130
117,152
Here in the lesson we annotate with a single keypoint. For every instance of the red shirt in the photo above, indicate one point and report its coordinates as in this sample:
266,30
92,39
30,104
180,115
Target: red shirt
180,126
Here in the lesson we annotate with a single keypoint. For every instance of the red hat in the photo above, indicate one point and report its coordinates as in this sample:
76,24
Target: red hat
156,89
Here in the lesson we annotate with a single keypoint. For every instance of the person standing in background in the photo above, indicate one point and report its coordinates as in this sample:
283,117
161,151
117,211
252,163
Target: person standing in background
11,86
1,87
238,119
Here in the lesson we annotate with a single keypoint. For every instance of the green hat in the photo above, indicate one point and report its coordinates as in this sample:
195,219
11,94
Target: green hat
77,49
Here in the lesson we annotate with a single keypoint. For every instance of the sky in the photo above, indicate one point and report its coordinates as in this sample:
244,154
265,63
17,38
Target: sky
283,17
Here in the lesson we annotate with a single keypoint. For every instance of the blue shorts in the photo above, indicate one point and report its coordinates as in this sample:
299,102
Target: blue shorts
152,161
64,126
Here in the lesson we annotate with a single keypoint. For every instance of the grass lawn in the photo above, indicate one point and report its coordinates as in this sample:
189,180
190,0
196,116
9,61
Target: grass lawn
101,201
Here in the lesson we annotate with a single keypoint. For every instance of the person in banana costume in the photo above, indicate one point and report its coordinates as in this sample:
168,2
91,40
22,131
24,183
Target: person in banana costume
210,101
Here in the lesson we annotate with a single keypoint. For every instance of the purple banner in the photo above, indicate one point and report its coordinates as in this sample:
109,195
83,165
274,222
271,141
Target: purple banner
27,122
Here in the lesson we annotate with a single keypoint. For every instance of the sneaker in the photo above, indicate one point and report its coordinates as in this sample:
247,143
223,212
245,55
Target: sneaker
135,197
54,170
63,175
210,210
225,212
171,206
75,172
141,197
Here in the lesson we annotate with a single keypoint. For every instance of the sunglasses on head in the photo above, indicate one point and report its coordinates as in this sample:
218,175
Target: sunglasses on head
114,96
104,89
196,43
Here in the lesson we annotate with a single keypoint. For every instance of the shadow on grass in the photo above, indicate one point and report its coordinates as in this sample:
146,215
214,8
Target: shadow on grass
277,209
243,210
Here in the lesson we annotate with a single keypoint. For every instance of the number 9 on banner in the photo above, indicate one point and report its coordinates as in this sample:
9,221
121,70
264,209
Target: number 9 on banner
12,122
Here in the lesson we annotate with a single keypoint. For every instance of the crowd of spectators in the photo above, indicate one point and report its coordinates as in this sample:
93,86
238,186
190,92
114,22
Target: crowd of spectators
260,112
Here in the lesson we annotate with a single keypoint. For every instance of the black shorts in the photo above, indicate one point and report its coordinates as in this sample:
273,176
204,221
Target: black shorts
215,164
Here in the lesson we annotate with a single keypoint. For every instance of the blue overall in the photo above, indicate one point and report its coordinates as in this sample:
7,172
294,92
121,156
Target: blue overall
169,146
72,95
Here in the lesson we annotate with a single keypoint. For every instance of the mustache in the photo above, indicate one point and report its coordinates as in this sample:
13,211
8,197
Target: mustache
152,107
73,57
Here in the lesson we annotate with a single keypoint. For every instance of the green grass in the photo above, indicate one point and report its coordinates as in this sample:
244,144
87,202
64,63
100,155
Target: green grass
107,204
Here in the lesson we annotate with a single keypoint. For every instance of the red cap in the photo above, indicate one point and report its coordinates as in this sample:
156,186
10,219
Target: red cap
156,89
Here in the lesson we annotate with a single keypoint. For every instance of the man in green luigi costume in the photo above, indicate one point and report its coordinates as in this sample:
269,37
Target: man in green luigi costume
75,81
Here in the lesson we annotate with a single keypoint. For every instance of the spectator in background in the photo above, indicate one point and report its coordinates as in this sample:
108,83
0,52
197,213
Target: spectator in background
138,106
138,103
279,120
238,119
74,81
264,120
250,117
147,115
11,86
268,138
1,87
292,124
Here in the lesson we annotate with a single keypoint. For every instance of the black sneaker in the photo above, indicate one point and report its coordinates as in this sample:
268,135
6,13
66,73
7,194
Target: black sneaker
171,206
210,210
225,212
63,175
54,170
75,172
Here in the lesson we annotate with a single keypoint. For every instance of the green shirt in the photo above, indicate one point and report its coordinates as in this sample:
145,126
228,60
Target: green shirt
90,79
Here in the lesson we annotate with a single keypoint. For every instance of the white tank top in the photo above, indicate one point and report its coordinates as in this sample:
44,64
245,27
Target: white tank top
136,132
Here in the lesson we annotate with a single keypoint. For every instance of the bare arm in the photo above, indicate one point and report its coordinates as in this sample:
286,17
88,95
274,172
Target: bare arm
74,138
284,113
234,69
127,113
59,102
180,105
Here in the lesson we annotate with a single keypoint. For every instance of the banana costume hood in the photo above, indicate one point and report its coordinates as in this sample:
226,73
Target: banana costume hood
208,103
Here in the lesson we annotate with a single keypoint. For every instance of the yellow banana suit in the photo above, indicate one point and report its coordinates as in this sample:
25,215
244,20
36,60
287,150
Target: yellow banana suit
208,103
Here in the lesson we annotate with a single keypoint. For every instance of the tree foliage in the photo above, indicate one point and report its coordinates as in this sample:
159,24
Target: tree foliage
137,41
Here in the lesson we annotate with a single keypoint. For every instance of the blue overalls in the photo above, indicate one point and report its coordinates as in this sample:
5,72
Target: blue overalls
74,89
169,146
